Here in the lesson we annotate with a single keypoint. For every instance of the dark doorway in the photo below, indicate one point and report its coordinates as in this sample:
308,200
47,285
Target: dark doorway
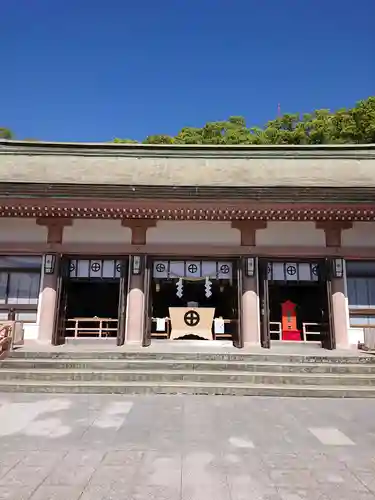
307,284
309,309
91,299
92,308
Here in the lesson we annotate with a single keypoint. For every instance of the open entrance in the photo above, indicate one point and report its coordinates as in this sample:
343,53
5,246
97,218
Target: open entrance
295,300
91,300
194,300
296,312
92,308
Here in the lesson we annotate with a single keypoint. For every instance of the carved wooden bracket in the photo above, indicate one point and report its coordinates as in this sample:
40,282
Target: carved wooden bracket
139,229
333,231
248,230
55,228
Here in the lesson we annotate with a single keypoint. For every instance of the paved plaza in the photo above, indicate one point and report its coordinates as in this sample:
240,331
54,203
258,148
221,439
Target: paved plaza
98,447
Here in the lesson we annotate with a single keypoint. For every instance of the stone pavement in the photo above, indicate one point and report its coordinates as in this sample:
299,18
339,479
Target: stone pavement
185,447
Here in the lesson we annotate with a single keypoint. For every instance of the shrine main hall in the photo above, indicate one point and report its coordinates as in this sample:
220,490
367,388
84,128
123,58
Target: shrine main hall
141,244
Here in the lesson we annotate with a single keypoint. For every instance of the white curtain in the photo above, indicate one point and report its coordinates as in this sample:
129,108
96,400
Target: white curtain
23,288
192,269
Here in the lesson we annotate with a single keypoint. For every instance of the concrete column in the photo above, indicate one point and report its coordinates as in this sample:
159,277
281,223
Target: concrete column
135,310
47,306
47,297
340,313
250,317
250,312
136,297
333,233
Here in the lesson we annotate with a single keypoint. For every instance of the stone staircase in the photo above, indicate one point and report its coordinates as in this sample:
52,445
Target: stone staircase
147,372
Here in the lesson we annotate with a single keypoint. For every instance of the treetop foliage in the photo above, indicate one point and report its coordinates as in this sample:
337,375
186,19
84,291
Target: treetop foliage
5,133
345,126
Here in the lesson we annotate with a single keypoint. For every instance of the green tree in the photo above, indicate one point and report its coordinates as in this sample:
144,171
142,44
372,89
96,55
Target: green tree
189,135
363,116
351,126
124,141
158,139
6,133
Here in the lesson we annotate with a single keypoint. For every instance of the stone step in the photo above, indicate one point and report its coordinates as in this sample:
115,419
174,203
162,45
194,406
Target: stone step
221,366
192,356
205,388
120,376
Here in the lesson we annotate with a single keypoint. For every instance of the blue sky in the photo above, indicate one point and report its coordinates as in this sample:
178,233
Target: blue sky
88,70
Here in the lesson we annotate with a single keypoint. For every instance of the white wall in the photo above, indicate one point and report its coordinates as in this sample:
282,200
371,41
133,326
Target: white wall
362,234
356,335
20,230
185,232
290,234
31,328
97,231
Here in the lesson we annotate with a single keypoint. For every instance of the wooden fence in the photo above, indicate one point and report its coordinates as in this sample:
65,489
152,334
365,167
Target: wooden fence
7,329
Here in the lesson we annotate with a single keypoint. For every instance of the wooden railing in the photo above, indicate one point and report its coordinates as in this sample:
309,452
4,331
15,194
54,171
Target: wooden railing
93,327
6,337
308,329
275,328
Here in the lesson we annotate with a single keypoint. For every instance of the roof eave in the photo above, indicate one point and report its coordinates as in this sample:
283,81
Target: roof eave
183,150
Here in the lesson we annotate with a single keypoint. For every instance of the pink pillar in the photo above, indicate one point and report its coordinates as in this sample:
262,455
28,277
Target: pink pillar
135,310
250,312
340,313
47,307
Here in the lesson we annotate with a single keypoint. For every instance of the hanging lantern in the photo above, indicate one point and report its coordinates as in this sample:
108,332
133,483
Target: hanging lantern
250,267
49,263
136,267
338,268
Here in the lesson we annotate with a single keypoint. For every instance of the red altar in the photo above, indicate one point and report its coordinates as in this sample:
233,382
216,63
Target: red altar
289,322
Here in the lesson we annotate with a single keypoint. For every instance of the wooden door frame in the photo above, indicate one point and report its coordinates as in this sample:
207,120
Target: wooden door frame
123,302
63,278
264,310
240,266
326,282
61,299
147,293
331,334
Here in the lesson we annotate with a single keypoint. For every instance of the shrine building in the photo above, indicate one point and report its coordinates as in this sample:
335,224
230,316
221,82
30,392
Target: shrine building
142,244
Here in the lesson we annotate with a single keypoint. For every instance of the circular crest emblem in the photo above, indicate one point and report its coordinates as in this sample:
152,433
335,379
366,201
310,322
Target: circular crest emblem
191,318
192,268
95,266
291,270
160,267
72,267
224,269
314,270
118,267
